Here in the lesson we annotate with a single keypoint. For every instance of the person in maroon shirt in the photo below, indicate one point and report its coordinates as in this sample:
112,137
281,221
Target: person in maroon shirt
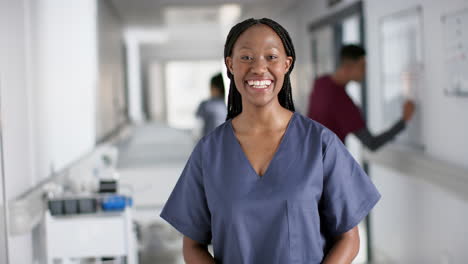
330,105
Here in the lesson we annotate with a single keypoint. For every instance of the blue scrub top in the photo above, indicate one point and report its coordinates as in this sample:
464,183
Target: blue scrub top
312,191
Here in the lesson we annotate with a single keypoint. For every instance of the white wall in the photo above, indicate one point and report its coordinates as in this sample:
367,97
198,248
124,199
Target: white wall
63,87
48,75
417,221
15,113
111,104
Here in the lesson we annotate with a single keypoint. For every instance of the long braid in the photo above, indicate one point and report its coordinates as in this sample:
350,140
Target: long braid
285,95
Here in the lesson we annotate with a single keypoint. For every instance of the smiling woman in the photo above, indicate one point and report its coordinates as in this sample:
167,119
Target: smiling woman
259,63
269,185
277,52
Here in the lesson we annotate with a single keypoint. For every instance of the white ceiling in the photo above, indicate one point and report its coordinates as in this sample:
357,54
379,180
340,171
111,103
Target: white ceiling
194,29
154,13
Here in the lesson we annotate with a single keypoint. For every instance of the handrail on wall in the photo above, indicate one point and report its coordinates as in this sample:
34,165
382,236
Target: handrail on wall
413,163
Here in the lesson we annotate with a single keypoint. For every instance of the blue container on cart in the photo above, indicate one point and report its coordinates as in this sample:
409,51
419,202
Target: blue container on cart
116,203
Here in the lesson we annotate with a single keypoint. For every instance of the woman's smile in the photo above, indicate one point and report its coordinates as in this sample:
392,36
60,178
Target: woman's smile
259,85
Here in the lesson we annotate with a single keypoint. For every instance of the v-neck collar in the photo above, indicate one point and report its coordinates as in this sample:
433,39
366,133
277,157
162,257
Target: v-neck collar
283,142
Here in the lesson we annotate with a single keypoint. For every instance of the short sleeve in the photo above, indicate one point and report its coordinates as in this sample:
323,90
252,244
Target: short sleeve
187,209
348,193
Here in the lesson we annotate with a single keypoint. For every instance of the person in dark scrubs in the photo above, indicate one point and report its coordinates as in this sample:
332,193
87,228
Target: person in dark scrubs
213,111
269,185
330,105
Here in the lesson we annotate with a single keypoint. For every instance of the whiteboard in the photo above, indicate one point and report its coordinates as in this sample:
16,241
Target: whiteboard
455,32
401,70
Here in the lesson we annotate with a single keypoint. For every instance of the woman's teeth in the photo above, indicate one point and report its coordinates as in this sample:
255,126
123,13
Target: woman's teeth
259,84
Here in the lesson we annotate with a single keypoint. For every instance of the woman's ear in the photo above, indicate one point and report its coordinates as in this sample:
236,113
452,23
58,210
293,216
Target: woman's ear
229,64
288,62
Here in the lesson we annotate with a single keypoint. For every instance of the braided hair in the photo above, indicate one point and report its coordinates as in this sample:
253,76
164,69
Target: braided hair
285,95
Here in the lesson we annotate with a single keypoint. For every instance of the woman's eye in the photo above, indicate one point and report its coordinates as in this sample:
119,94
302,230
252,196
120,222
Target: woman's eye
246,58
272,57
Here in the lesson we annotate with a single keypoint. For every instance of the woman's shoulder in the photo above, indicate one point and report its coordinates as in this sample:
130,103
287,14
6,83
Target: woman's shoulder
312,133
217,135
311,127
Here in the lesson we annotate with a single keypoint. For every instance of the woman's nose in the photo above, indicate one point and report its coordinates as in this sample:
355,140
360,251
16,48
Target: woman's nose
259,66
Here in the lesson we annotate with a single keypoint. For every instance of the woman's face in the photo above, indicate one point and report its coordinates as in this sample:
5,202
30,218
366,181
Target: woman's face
258,63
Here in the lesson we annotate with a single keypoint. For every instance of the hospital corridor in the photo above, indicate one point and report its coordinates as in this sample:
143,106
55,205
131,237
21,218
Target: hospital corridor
175,131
